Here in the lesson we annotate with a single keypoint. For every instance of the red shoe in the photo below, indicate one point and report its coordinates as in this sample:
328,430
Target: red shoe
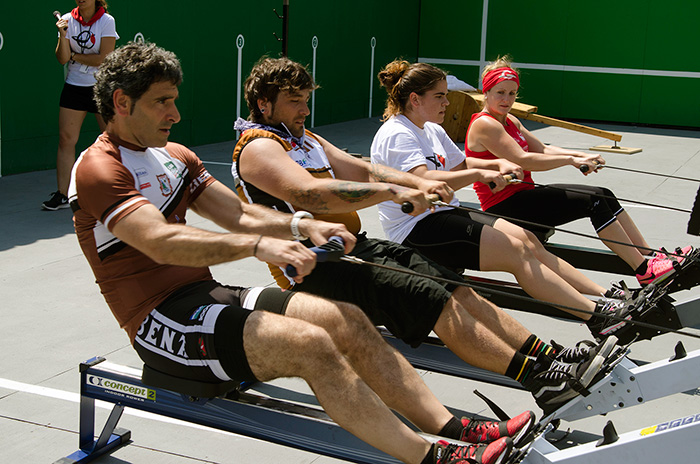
493,453
482,431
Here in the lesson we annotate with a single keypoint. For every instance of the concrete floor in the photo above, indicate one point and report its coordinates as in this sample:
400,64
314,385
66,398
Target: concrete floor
54,316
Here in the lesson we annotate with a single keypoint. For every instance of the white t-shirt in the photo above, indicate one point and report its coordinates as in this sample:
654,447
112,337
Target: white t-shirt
402,145
87,40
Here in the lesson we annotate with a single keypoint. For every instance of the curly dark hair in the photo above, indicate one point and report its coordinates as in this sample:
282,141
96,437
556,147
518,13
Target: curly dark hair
133,68
269,77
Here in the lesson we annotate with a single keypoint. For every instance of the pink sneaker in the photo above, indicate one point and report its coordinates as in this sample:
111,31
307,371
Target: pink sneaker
656,268
663,253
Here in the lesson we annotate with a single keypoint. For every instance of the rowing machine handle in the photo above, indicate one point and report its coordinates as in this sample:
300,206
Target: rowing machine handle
508,177
584,168
333,250
407,206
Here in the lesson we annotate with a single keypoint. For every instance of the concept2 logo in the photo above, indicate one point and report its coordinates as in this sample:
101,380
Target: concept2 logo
670,425
121,388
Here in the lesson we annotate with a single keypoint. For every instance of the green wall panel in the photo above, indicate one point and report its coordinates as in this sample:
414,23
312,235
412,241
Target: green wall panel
636,35
451,29
672,36
29,93
527,30
620,45
542,89
604,33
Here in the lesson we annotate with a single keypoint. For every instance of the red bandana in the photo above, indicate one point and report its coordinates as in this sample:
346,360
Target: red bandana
498,75
98,14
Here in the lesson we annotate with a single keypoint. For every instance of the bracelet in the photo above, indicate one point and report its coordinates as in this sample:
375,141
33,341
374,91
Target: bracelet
255,248
72,54
298,216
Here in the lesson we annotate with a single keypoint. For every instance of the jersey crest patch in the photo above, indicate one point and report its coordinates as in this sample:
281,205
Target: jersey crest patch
164,181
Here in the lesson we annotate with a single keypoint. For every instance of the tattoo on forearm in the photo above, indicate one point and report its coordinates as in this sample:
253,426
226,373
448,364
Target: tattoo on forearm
352,192
309,200
382,174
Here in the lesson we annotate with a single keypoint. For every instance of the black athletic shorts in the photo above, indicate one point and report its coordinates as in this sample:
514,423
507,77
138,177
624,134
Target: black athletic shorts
451,238
197,332
408,306
77,98
559,204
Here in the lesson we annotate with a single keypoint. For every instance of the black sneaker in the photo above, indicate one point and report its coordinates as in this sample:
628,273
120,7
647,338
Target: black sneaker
602,327
561,381
583,350
493,453
56,202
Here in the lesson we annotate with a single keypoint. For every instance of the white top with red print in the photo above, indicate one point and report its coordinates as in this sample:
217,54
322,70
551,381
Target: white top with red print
86,40
402,145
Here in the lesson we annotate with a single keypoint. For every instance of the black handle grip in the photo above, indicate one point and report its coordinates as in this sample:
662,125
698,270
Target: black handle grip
584,168
333,250
407,206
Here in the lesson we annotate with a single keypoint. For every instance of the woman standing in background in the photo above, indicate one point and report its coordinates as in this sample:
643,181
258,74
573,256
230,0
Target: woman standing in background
85,36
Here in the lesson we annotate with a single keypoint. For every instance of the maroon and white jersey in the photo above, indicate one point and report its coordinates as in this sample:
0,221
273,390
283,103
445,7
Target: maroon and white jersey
110,180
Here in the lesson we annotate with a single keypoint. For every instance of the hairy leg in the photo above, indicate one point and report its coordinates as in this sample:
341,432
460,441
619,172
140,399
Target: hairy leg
565,270
503,252
278,346
385,370
472,338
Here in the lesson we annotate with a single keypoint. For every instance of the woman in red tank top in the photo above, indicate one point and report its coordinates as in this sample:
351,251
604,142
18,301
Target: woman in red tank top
496,139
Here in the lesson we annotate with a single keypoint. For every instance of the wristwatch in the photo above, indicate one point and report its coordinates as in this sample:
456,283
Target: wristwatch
298,216
72,54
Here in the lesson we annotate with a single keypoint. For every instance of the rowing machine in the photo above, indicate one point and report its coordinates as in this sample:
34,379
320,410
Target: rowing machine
672,441
622,384
310,429
232,410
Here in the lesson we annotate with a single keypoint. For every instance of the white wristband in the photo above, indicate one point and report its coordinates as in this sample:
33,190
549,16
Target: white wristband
298,216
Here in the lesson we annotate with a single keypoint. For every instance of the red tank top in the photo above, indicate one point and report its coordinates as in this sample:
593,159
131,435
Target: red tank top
486,197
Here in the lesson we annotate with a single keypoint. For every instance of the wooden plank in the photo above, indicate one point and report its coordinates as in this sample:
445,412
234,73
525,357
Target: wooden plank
616,149
572,126
458,114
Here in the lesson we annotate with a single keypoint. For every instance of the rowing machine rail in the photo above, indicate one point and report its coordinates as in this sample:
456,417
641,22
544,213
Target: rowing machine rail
267,419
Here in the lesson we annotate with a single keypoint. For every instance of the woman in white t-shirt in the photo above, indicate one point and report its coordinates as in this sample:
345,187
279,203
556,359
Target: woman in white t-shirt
85,36
412,140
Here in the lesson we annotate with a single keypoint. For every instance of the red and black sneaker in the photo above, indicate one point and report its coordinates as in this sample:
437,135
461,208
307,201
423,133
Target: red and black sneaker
483,431
493,453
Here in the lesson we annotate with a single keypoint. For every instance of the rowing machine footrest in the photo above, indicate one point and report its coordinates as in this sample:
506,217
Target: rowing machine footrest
155,378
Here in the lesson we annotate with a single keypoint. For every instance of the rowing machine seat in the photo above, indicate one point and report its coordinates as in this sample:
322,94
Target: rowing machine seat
155,378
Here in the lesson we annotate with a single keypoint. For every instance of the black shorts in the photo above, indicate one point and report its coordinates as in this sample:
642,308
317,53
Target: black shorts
77,98
451,238
408,306
559,204
197,332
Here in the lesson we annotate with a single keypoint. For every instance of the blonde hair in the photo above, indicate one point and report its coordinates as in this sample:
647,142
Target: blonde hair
501,62
400,79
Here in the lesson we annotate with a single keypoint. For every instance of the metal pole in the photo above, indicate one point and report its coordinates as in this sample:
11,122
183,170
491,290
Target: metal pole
285,26
314,45
372,43
240,42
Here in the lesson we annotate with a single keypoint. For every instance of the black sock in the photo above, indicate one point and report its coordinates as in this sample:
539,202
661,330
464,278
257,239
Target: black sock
642,269
519,367
453,429
534,346
428,459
